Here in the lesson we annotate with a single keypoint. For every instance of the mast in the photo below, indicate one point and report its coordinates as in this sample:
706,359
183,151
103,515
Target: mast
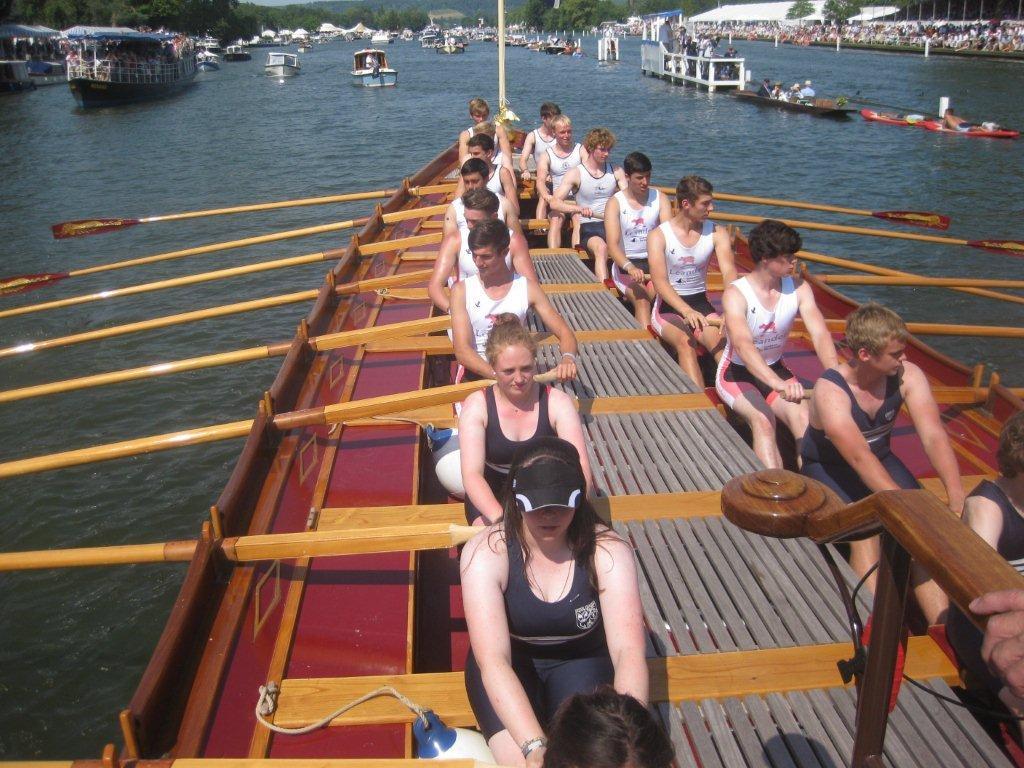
505,115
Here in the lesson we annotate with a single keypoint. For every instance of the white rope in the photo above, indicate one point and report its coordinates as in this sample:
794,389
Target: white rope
267,704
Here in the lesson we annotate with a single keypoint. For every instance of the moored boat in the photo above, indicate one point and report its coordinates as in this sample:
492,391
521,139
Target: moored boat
208,62
39,48
237,53
14,77
114,65
280,64
817,107
370,69
975,131
908,120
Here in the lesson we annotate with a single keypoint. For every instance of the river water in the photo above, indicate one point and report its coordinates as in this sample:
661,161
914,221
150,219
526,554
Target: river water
73,643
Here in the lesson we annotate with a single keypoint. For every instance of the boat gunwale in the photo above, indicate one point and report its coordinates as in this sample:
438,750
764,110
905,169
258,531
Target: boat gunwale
160,689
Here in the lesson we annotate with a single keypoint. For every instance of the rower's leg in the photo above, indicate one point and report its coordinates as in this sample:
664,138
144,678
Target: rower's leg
598,248
756,412
642,302
671,330
555,222
796,416
575,230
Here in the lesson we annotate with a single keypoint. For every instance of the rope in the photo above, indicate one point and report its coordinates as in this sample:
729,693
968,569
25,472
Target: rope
267,704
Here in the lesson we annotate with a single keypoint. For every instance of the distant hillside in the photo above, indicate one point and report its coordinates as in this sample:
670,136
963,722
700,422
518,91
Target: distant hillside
470,9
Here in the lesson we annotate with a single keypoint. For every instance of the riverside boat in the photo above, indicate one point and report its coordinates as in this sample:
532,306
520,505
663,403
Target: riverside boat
376,73
818,108
280,64
237,53
114,65
745,632
35,47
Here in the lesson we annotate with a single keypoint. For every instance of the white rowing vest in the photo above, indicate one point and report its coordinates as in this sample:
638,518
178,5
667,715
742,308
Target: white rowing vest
594,193
483,309
497,149
540,145
635,224
688,266
769,328
494,183
559,166
466,265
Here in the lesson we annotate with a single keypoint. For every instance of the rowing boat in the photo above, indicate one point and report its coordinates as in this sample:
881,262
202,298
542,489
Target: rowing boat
975,132
820,107
873,116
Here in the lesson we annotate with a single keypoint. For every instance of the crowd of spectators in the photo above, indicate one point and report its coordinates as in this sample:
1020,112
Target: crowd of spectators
1005,36
129,59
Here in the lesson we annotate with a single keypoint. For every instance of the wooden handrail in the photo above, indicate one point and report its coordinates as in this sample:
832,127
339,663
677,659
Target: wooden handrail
783,504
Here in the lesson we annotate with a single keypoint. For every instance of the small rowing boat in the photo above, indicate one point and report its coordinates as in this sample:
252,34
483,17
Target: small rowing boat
819,107
973,132
880,117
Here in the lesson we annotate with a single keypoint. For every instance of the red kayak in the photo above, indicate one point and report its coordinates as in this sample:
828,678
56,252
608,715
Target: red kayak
880,117
1001,133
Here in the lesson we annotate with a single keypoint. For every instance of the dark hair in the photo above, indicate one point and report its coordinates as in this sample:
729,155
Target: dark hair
476,165
690,188
636,162
582,535
606,729
492,233
482,140
481,199
772,238
549,109
1010,454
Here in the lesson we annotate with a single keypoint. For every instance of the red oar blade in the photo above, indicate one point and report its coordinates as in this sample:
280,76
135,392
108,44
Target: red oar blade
915,218
1010,247
84,227
24,283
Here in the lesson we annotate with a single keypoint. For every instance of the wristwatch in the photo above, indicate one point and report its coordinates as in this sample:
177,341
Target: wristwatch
535,743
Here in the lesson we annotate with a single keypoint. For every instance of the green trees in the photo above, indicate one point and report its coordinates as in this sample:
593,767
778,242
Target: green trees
799,9
840,11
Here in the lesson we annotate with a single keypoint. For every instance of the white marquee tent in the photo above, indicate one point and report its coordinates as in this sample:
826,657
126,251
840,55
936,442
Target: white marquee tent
755,12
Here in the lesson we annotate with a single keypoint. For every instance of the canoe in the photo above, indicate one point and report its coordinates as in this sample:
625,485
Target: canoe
878,117
937,127
326,630
820,107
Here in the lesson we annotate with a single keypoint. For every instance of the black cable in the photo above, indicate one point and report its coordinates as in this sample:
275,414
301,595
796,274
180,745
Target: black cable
956,702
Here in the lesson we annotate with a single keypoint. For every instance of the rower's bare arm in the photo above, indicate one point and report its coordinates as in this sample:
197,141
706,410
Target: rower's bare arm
447,253
462,335
513,221
556,324
584,154
985,519
504,146
463,147
487,622
664,208
734,307
613,233
543,171
831,408
924,412
816,326
659,274
510,190
565,420
570,181
623,615
521,260
620,177
724,255
472,442
524,154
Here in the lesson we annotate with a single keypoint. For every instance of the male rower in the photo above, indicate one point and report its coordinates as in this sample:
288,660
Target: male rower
539,139
760,308
592,184
556,161
956,123
476,206
853,411
501,181
493,290
629,218
480,113
679,252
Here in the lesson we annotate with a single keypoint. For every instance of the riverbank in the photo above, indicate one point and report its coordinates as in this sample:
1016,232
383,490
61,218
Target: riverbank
951,53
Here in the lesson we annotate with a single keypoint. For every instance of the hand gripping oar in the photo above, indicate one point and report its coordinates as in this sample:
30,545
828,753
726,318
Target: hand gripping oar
84,227
913,218
1011,247
22,283
244,549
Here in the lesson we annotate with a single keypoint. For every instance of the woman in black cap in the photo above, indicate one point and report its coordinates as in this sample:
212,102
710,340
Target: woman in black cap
539,590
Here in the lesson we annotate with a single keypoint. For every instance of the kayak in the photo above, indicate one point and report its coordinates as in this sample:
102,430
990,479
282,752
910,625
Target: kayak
1001,133
880,117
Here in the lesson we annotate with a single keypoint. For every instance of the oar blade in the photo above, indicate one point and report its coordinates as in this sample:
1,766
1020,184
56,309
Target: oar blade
1005,247
915,218
84,227
25,283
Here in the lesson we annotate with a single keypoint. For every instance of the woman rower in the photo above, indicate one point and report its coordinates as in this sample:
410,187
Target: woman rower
630,216
679,252
542,589
513,414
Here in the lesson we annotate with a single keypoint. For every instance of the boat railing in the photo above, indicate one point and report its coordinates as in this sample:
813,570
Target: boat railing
711,73
112,71
914,527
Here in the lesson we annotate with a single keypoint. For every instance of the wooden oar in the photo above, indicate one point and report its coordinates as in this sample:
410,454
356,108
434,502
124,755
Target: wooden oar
22,283
359,286
319,343
923,329
920,281
913,218
320,416
857,266
245,549
84,227
1011,247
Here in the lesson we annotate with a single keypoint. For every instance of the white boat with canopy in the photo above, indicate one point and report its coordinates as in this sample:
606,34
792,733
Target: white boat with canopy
370,69
280,64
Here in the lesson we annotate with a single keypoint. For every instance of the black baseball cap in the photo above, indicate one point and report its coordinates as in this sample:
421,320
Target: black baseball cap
550,482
